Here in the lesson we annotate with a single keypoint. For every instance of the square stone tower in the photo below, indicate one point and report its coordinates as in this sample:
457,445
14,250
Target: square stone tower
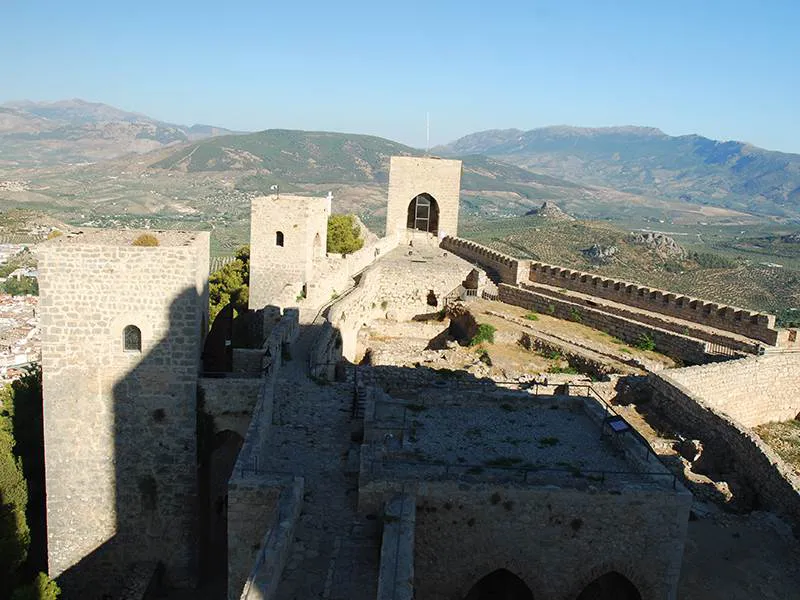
423,195
287,234
122,333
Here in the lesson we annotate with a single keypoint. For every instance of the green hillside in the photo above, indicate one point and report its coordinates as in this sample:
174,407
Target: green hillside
741,279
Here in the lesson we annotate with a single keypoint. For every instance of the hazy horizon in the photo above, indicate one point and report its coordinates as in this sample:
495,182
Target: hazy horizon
723,70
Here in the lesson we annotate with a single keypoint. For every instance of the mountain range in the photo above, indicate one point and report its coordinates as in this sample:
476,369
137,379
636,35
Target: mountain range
646,161
612,172
36,134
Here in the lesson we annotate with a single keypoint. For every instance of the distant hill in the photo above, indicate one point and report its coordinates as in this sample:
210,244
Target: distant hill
75,131
316,157
646,161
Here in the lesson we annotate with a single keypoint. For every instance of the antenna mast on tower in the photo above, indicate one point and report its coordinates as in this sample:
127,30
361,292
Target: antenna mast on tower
427,133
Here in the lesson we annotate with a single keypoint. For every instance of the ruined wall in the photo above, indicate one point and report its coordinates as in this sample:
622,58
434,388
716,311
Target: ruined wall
120,425
410,176
678,346
774,483
278,272
556,540
509,269
751,324
753,390
253,494
396,287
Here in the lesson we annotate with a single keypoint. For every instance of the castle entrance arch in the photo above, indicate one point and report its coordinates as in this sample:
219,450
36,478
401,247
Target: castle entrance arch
423,214
611,586
500,585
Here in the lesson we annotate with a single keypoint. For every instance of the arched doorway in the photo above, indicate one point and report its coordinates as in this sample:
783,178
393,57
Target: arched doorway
423,214
611,586
500,585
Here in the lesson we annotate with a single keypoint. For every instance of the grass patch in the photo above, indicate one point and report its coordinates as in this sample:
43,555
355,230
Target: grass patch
565,370
485,334
548,441
532,316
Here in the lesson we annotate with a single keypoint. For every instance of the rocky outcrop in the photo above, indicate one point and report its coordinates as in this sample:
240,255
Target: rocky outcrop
661,244
548,210
601,255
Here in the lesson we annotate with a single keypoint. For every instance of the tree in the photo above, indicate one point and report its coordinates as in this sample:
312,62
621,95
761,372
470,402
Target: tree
344,235
42,588
230,284
24,286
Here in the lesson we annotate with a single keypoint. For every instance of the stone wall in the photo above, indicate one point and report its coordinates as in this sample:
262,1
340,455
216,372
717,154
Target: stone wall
229,395
279,268
398,288
673,344
556,540
748,323
775,485
753,391
265,575
410,176
509,269
120,425
396,571
253,493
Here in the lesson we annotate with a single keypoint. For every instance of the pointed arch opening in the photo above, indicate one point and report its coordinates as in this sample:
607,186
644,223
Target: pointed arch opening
279,238
317,246
500,585
611,586
423,214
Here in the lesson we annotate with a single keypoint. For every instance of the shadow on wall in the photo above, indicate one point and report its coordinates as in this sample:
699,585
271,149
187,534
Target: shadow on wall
151,467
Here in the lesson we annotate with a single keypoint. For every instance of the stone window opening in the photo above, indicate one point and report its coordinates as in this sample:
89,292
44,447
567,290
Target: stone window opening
132,339
432,300
279,238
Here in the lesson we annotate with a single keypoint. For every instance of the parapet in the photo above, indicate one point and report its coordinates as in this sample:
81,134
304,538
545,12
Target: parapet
510,270
752,324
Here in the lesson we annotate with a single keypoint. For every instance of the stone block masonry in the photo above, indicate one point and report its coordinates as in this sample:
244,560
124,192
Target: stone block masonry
122,333
288,234
744,322
753,391
410,176
775,485
507,268
677,346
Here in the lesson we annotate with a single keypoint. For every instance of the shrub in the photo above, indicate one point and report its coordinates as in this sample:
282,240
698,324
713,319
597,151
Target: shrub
54,234
575,315
344,235
645,342
146,239
42,588
485,334
532,316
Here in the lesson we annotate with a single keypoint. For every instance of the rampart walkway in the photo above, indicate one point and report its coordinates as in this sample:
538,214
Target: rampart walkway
335,553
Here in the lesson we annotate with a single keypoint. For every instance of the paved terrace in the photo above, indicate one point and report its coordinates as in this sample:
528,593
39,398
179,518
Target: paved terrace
511,437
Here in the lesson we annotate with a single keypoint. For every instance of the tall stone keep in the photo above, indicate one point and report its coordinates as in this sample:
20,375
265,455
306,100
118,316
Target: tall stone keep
287,235
423,196
122,333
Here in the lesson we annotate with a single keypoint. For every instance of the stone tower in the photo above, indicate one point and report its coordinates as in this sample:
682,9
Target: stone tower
122,332
287,234
423,195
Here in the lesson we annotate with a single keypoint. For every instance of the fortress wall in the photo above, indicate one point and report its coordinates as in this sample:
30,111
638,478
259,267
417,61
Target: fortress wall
774,483
265,575
748,323
753,390
509,269
672,344
410,176
664,322
396,571
638,532
254,493
226,395
120,425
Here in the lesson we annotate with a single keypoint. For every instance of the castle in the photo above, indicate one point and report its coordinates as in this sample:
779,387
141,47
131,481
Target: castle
159,469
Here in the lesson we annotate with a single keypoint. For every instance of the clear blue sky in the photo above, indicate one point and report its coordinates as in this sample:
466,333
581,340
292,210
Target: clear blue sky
726,70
